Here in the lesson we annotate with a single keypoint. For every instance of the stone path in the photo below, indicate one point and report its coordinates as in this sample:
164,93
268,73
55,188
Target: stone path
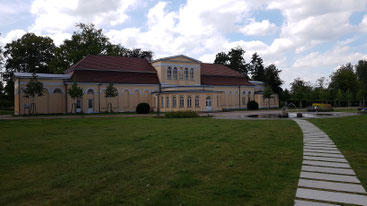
326,176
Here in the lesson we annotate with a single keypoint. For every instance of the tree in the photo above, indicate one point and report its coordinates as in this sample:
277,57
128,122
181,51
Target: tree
300,90
272,79
344,79
1,88
75,93
361,71
110,92
285,96
256,68
30,53
349,97
32,89
339,96
267,94
88,40
234,59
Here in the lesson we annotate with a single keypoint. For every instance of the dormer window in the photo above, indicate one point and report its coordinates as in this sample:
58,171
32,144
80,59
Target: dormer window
175,73
191,74
186,74
169,73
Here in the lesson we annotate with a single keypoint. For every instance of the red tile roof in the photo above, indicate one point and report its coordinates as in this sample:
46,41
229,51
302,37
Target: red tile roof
218,69
115,77
224,80
112,63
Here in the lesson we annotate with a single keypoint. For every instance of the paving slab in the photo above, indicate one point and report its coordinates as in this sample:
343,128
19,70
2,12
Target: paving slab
318,143
346,187
321,151
322,154
328,170
315,145
331,177
338,197
321,148
309,203
328,159
325,164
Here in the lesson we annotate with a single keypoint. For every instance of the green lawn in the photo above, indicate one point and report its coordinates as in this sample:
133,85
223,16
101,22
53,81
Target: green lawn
149,161
350,136
6,112
346,109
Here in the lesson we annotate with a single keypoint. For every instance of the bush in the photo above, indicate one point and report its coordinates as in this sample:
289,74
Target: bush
252,105
181,114
143,108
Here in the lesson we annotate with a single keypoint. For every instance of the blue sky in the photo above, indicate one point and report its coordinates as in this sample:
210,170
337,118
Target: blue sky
304,38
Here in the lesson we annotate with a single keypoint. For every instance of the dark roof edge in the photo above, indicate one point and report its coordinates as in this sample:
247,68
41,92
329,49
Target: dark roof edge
124,71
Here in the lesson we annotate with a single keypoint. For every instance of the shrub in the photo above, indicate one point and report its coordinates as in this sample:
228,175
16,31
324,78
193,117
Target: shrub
143,108
181,114
252,105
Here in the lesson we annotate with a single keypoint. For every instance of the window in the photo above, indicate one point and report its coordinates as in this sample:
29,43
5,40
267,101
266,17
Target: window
167,102
191,74
57,91
162,102
182,101
169,73
90,91
249,96
208,102
78,104
189,101
174,102
197,101
90,103
186,74
244,98
175,73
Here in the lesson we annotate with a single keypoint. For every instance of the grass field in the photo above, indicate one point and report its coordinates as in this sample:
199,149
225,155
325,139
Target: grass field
350,136
6,112
149,161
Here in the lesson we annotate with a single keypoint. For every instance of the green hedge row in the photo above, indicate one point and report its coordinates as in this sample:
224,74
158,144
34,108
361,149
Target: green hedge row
181,114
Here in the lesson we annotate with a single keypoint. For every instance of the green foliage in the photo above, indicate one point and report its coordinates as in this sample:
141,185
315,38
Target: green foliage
234,59
257,68
110,91
252,105
181,114
143,108
268,92
75,91
344,79
272,78
285,95
33,88
361,72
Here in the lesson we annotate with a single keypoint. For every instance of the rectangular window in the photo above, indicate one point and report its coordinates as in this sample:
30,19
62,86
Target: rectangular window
197,101
174,102
189,102
175,73
90,103
182,102
78,104
167,102
191,74
186,74
162,102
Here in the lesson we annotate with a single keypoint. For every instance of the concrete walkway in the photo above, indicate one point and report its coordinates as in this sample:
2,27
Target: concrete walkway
326,177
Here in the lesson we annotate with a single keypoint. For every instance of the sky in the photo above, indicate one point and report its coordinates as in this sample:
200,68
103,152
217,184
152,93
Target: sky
303,38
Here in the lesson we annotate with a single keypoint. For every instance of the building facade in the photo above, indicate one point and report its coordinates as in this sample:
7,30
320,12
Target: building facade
174,83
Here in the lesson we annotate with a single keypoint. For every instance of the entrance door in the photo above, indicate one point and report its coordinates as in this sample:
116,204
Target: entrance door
90,106
208,104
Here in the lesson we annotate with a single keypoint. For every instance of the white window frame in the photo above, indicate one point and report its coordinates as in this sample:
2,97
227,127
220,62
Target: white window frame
175,73
197,101
182,102
169,73
189,102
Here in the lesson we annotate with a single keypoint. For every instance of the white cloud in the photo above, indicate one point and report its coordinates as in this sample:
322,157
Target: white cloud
255,28
363,24
11,36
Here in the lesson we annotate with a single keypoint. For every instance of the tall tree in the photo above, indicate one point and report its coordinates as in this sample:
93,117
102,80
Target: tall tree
344,79
272,79
267,95
30,53
33,88
256,68
285,95
361,71
300,90
110,92
233,59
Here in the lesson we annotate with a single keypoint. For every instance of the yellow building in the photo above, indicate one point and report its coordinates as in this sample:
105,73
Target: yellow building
174,83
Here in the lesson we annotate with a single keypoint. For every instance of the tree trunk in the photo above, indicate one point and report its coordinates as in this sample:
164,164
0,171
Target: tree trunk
300,104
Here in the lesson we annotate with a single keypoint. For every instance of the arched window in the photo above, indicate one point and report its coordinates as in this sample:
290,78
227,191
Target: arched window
208,102
57,91
175,73
186,74
197,102
162,102
189,101
174,102
182,101
191,74
90,91
169,73
167,102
